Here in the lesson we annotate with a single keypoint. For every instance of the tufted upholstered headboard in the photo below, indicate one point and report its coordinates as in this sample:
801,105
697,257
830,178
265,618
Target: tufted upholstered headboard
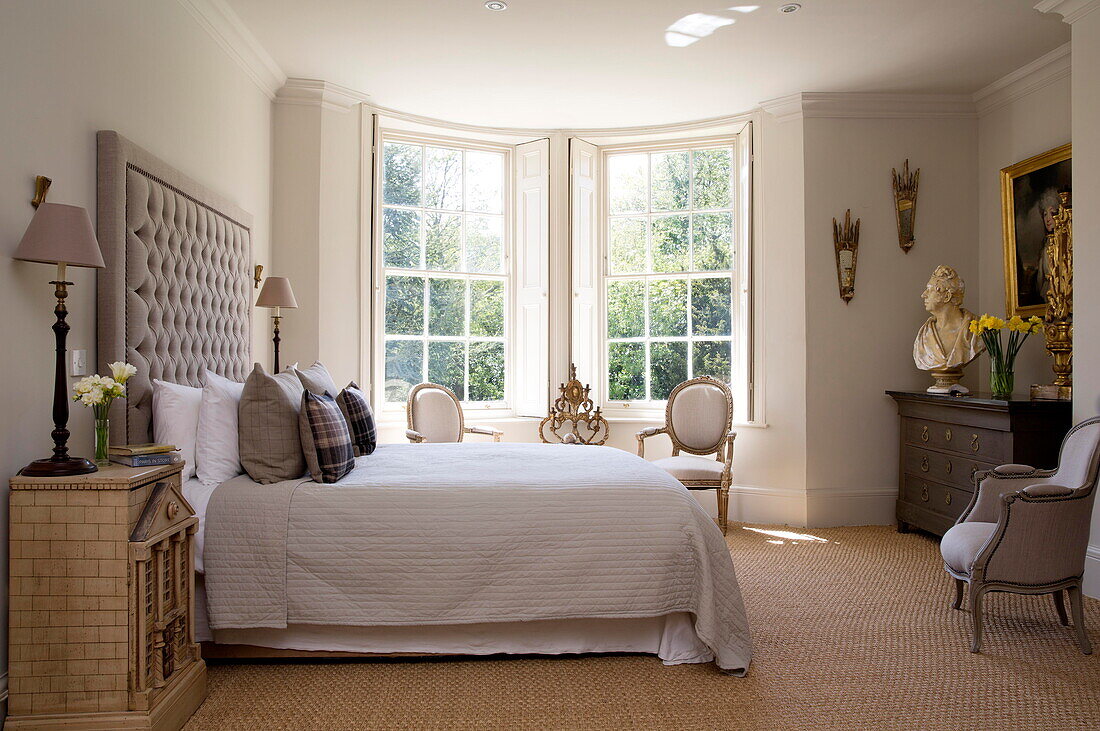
176,295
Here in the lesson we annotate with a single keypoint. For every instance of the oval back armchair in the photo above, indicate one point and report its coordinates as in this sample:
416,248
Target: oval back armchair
434,414
698,421
1026,531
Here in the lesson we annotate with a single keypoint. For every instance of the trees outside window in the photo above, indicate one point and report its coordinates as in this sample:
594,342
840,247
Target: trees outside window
444,261
670,269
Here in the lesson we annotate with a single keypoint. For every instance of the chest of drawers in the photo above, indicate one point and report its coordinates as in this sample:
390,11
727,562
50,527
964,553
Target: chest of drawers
946,439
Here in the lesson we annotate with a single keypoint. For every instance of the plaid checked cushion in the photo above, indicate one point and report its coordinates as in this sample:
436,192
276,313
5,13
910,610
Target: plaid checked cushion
326,441
357,412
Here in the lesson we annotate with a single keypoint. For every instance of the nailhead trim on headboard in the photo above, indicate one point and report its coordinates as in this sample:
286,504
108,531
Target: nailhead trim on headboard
175,297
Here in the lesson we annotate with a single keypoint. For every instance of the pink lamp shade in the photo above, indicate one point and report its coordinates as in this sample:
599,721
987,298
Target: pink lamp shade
276,292
60,234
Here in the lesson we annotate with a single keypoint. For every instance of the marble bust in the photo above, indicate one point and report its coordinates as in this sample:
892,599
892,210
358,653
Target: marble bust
944,342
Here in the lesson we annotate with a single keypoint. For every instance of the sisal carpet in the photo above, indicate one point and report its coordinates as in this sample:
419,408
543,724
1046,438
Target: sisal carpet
852,629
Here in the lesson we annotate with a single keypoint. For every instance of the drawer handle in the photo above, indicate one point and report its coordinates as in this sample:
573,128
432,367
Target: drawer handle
948,434
924,433
924,493
975,442
947,498
924,464
948,467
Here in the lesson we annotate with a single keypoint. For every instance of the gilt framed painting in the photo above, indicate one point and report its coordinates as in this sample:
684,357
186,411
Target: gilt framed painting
1029,199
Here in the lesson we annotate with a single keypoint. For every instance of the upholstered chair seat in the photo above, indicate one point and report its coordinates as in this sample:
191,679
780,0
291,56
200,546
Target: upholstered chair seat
435,415
698,418
691,467
1026,531
962,543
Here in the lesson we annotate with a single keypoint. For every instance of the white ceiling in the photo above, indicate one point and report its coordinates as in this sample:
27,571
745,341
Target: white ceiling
597,63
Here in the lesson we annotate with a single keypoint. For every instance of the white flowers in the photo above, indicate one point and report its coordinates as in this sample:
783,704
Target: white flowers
99,391
121,371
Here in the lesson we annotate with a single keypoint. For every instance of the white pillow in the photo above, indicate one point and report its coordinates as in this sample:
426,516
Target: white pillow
218,453
176,419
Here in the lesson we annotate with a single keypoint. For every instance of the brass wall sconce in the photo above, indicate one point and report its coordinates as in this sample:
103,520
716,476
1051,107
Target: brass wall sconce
258,276
1058,321
41,188
905,205
846,245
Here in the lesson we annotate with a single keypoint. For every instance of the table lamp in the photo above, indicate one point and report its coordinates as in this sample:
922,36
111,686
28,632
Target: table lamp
276,293
61,235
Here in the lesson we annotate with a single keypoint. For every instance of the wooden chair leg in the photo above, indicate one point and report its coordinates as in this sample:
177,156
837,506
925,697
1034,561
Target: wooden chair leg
1079,619
1060,606
976,617
960,585
723,508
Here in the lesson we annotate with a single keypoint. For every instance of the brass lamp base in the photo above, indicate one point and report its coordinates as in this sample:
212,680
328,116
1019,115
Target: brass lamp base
51,467
947,381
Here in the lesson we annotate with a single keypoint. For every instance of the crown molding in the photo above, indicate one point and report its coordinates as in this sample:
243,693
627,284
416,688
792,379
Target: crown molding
1070,10
784,108
324,94
860,105
1025,80
227,29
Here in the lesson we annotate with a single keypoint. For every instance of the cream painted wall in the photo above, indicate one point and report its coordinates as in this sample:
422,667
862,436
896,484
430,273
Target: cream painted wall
1025,126
68,69
1086,234
855,352
317,197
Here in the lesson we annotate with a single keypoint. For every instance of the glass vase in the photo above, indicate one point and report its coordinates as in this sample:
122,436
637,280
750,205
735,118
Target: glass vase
1001,382
102,441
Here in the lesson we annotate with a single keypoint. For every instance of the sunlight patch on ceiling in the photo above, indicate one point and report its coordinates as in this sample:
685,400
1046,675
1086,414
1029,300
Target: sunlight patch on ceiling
693,27
744,8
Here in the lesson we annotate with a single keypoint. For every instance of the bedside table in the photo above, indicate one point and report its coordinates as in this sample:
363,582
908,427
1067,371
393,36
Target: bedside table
101,620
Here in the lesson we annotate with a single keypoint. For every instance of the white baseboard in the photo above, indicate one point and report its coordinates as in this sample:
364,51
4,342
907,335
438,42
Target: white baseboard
813,509
830,507
1092,572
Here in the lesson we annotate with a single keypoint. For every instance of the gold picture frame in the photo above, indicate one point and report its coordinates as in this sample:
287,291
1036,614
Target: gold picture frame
1025,210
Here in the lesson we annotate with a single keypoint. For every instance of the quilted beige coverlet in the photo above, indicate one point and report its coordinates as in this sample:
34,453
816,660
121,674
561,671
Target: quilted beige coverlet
461,533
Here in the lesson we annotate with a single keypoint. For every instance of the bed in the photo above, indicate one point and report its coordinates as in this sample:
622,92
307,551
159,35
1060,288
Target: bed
422,549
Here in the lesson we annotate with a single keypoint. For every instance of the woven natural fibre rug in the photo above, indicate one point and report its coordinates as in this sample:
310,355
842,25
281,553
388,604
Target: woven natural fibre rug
852,629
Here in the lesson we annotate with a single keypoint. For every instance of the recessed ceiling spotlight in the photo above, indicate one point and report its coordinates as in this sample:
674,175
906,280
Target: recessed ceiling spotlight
496,5
788,8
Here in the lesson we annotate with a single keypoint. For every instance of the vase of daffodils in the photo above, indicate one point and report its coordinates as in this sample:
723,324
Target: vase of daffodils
98,392
1002,357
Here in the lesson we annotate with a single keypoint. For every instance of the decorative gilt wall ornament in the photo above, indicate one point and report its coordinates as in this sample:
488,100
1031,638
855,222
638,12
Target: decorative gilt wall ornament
905,205
573,418
1058,321
846,244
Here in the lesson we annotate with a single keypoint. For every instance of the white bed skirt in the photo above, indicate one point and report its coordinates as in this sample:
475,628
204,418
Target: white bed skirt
670,637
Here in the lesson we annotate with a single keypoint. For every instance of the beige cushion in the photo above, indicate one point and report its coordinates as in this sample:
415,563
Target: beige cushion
690,467
960,545
700,416
271,447
436,416
316,378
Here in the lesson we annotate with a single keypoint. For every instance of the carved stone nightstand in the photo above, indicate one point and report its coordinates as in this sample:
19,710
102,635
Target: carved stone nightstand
101,621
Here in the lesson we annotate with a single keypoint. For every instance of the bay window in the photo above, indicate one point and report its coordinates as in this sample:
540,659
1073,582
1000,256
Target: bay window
444,269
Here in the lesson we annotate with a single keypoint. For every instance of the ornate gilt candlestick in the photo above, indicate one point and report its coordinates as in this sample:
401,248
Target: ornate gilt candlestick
573,418
1058,322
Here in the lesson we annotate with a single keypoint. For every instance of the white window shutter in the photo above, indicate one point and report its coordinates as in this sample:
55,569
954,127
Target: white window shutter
531,353
585,264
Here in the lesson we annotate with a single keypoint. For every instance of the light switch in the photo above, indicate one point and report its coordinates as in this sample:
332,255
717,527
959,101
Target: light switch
79,363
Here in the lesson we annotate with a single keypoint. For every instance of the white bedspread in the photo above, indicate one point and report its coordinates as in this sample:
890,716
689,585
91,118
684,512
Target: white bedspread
469,533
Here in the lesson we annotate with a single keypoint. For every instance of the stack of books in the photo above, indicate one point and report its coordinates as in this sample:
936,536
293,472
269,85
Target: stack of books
145,455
